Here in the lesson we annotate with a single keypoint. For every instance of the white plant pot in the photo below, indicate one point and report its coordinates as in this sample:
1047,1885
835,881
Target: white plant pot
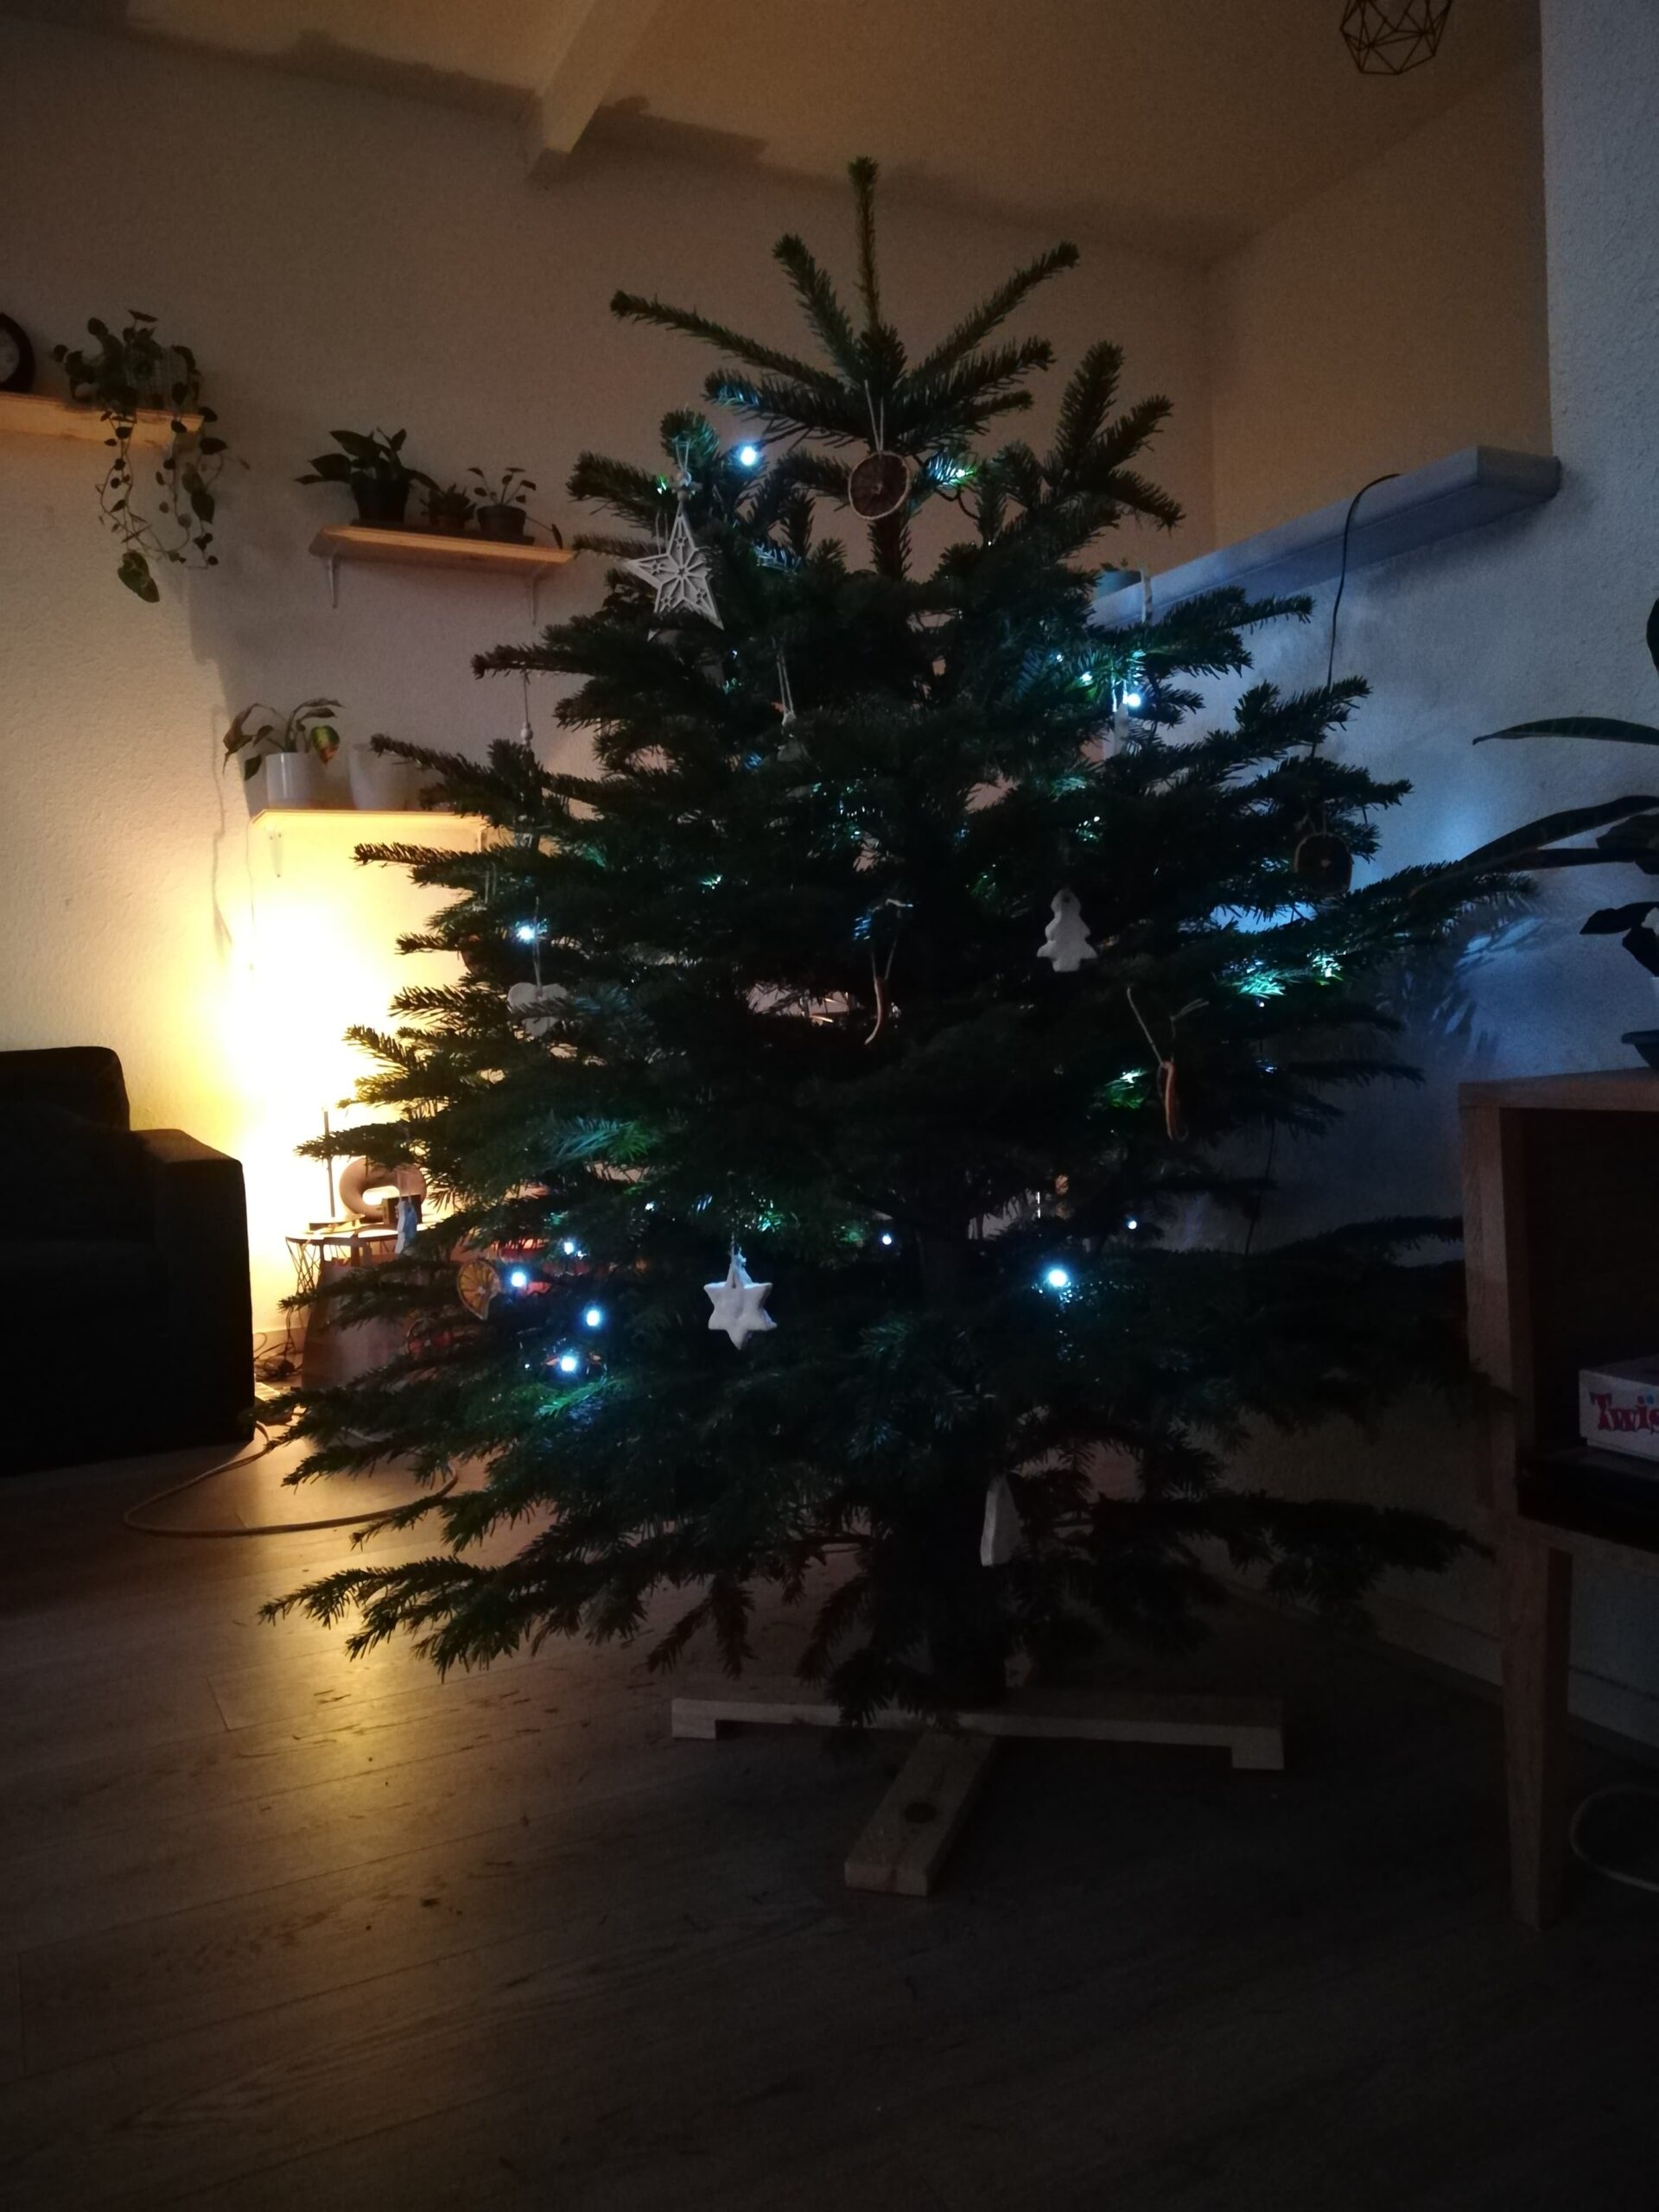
380,782
292,779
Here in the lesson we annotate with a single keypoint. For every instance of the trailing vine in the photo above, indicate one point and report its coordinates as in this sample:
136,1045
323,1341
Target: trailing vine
131,373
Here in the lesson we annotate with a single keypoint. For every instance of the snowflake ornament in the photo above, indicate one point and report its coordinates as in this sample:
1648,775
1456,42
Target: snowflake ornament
1065,941
679,574
739,1303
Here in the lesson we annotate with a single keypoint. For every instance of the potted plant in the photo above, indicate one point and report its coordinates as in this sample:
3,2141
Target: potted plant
501,509
132,372
373,464
293,749
380,782
448,509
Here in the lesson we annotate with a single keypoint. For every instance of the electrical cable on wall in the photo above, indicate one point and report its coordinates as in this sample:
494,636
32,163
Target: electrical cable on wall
1387,477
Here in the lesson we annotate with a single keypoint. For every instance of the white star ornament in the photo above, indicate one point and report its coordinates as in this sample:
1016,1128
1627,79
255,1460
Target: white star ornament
739,1304
679,574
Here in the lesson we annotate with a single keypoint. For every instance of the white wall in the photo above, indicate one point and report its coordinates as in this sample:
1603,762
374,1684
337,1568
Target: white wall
1544,614
338,258
1395,318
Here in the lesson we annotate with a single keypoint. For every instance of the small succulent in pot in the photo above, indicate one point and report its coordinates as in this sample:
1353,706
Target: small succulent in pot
304,729
372,463
501,505
448,508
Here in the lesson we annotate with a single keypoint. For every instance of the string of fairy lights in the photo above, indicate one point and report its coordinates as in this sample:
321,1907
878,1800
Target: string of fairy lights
678,572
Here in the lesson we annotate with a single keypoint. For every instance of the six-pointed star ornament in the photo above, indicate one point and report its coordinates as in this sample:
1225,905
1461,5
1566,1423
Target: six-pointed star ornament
679,574
739,1303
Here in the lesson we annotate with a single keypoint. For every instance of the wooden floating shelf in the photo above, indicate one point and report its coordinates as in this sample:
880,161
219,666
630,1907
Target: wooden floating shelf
1481,484
37,414
430,548
424,816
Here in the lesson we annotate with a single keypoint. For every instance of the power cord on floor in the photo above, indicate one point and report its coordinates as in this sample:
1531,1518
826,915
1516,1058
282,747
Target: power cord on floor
1599,1866
267,1445
260,1529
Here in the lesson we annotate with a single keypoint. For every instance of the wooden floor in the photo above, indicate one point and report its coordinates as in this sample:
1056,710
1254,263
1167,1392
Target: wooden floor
277,1930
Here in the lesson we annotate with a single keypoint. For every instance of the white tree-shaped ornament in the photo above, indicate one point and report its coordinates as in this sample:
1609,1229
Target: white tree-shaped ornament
1065,941
739,1303
679,574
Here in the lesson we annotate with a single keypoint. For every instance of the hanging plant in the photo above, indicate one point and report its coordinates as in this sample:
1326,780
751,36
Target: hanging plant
133,373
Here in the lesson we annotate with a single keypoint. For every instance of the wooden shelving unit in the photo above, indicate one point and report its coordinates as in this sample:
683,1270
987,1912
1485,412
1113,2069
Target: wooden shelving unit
36,414
430,548
1560,1196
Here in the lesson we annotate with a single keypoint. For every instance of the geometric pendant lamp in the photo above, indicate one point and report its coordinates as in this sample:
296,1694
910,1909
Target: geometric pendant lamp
1388,37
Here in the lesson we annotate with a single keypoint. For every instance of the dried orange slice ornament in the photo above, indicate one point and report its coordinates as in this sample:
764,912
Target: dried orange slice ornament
478,1286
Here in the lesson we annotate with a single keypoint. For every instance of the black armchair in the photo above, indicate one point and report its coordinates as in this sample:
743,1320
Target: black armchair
125,1320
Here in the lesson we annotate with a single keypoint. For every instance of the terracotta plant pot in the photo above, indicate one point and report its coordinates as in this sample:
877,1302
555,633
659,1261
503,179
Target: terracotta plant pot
505,524
380,500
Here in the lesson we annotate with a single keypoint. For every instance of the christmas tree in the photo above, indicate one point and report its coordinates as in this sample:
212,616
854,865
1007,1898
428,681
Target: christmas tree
830,1067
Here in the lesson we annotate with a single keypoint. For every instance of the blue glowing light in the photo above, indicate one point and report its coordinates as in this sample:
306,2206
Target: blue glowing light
1057,1278
1131,1222
593,1317
748,456
1133,701
527,932
571,1248
887,1236
519,1279
569,1363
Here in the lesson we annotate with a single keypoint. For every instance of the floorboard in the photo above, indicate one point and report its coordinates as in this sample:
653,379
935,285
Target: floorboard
276,1929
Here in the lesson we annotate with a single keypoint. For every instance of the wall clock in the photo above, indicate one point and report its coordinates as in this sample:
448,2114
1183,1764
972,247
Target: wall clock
17,357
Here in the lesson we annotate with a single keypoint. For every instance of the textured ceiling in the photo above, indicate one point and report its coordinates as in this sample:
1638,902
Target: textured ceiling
1186,124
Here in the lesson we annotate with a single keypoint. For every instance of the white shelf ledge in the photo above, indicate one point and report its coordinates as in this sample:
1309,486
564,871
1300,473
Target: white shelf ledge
1479,485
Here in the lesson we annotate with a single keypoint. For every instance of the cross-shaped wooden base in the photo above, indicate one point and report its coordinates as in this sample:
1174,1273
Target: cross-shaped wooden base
907,1840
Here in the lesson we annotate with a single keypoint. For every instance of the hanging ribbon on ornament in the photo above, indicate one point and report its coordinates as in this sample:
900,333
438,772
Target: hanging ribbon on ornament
1169,1091
879,975
786,695
791,749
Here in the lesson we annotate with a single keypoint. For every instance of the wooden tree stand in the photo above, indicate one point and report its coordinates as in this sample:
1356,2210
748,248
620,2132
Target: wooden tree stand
907,1842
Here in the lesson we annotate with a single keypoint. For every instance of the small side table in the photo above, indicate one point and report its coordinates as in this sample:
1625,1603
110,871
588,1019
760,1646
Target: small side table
334,1350
1560,1196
